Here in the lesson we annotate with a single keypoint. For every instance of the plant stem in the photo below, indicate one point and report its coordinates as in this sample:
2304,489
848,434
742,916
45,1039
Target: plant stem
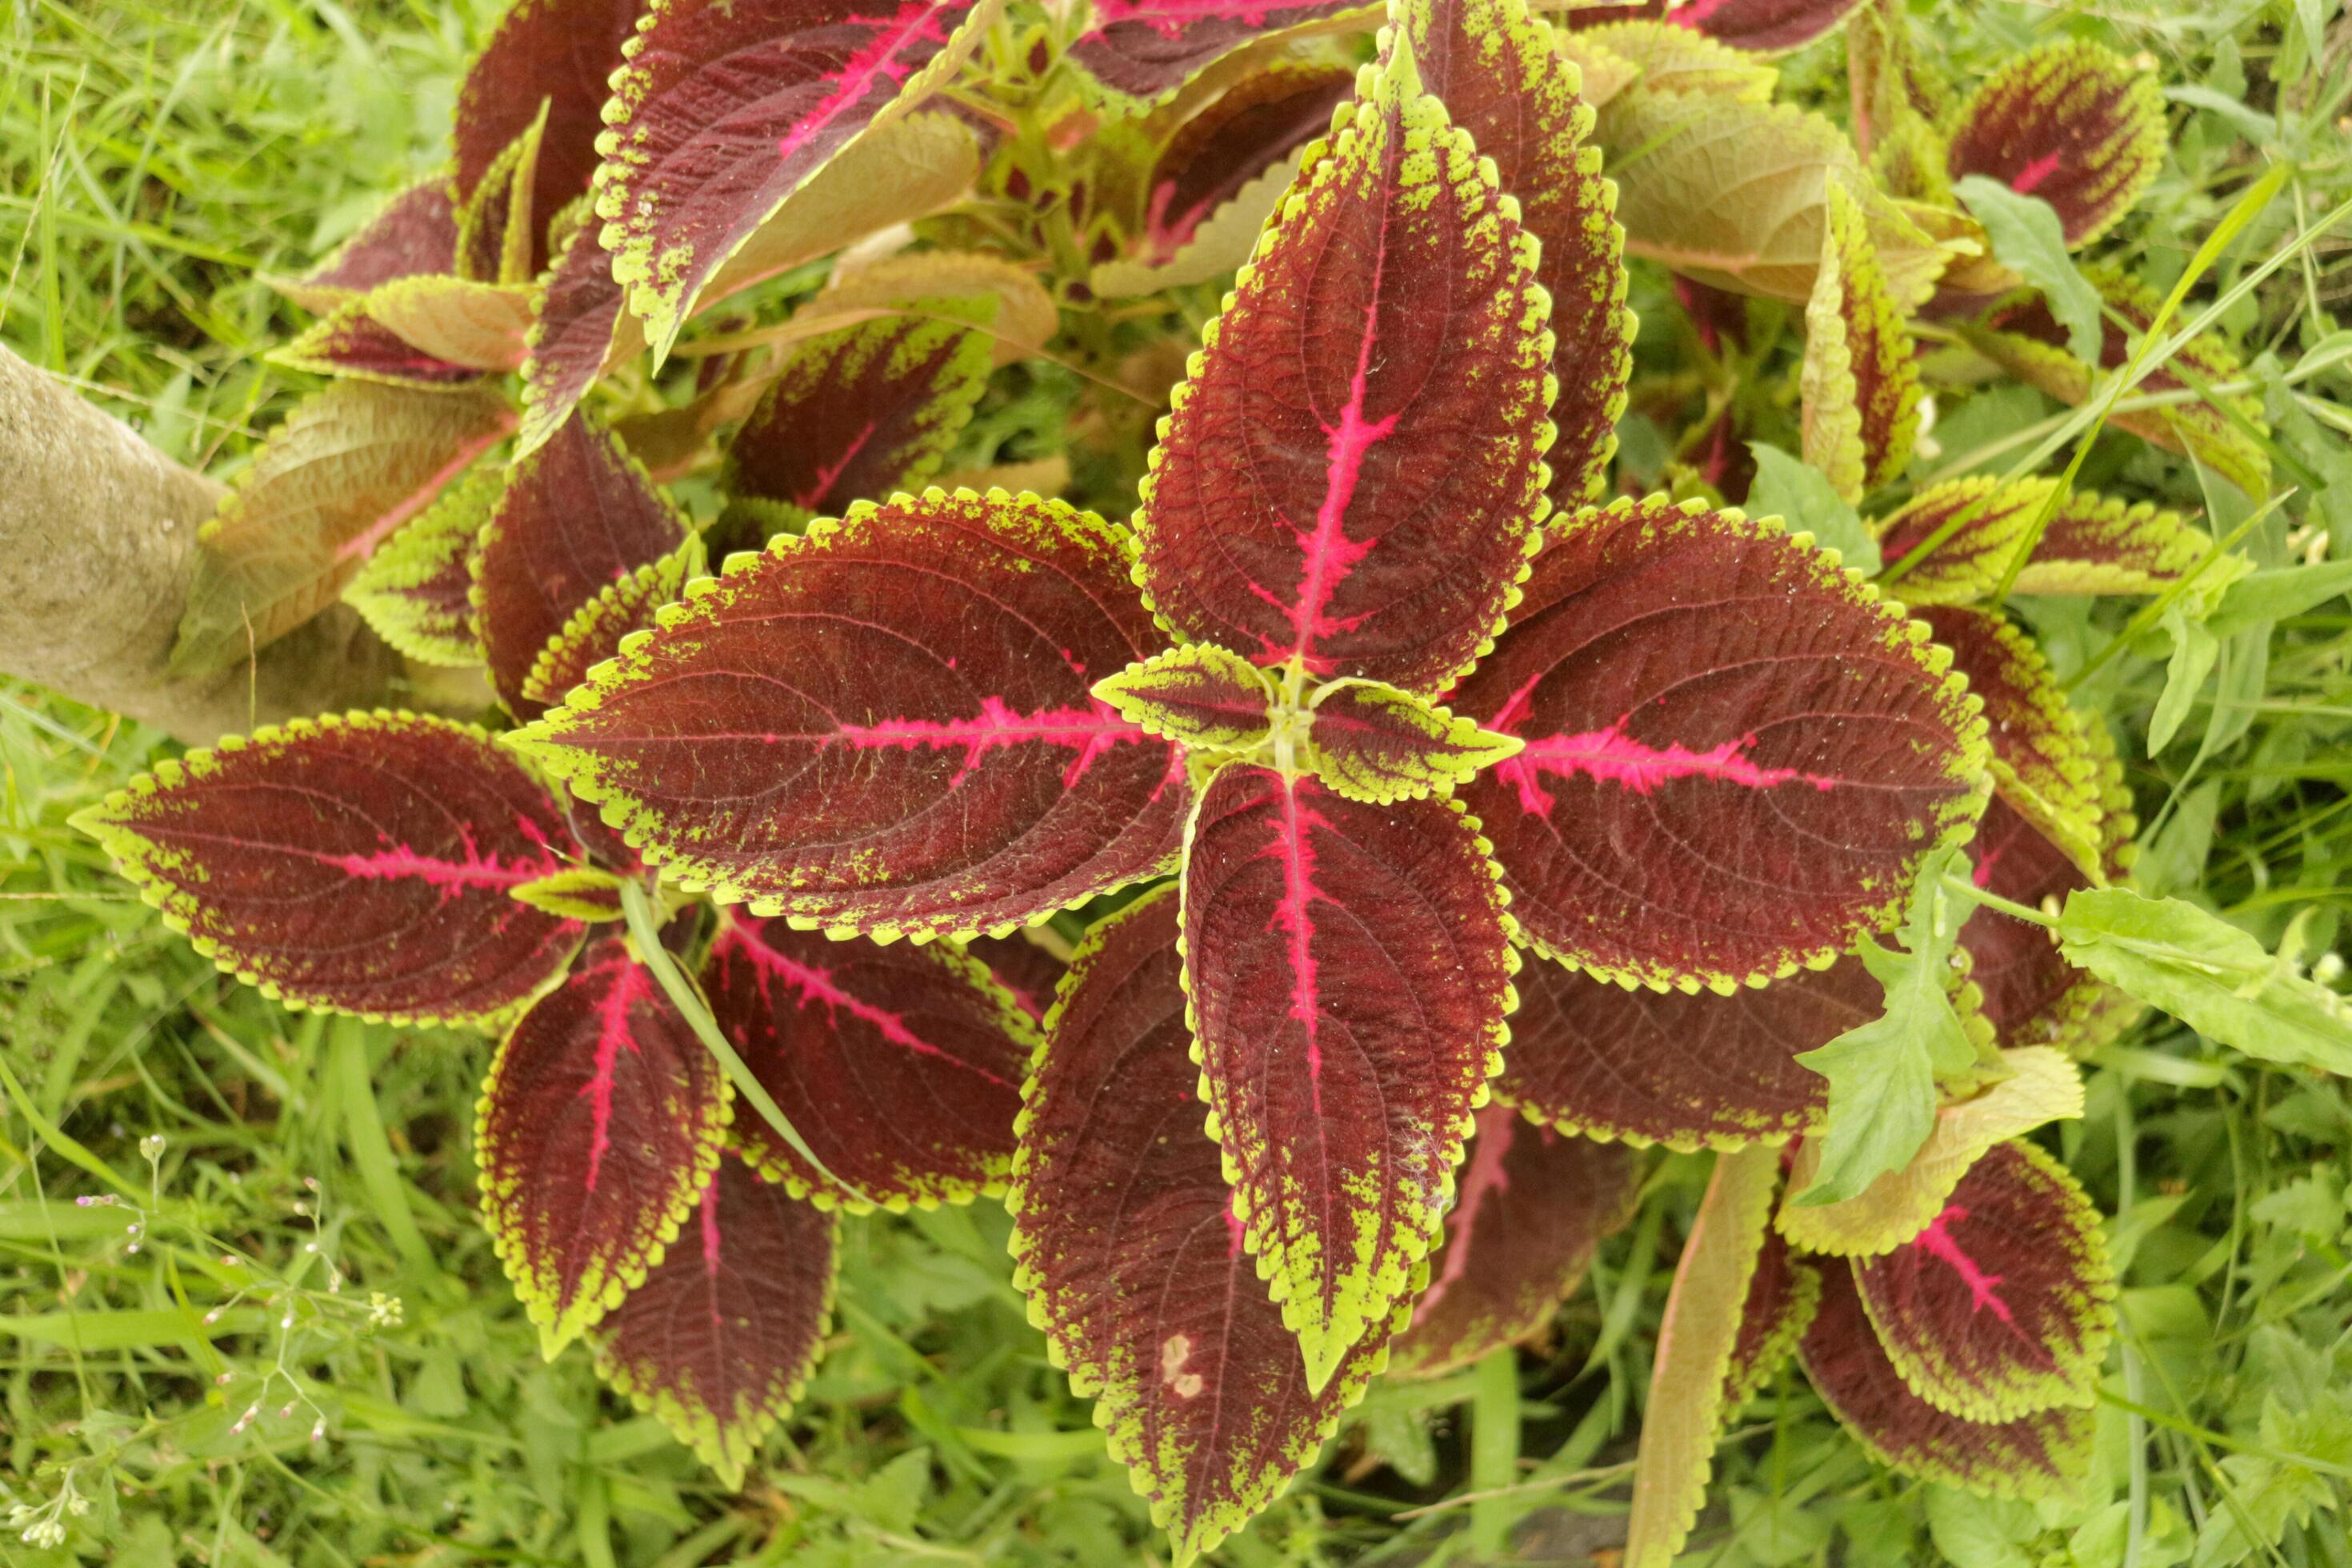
639,910
1977,895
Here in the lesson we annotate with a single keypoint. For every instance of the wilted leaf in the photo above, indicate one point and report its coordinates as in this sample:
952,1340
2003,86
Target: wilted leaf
360,864
347,468
1349,975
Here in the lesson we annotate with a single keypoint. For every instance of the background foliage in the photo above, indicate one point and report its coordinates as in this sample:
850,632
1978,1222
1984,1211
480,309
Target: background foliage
278,1334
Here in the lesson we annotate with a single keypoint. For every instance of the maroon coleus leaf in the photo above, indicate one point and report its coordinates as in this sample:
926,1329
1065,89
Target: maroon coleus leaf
595,632
1024,966
1685,678
1686,1070
886,725
1494,65
1148,48
1378,379
582,323
1782,1295
2005,1303
901,1065
724,110
2029,1456
555,55
2043,763
719,1340
1127,1247
362,864
2071,122
500,233
2092,543
859,413
1767,26
415,235
600,1125
1350,976
1533,1207
1251,127
578,515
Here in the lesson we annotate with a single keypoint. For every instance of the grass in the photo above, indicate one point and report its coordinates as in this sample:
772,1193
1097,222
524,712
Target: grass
224,1229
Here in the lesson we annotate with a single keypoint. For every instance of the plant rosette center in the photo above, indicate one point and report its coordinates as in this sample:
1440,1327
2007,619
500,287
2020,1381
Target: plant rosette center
1363,738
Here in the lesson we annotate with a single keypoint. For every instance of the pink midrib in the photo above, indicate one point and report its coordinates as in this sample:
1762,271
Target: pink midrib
1613,756
612,1033
859,73
711,1251
827,474
1936,1241
1484,1179
1090,731
817,986
2030,177
1331,556
476,870
1292,919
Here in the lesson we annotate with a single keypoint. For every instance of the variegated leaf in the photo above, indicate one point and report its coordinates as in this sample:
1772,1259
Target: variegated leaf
578,516
600,1125
416,591
2029,1457
719,1341
1685,677
2071,122
596,629
360,863
1319,498
1127,1247
1024,965
2031,993
1371,742
1534,1206
1200,696
1767,26
723,111
1783,1293
1860,384
899,1065
346,468
2004,1304
1494,65
416,232
547,63
498,231
1349,974
2043,765
859,413
935,765
2044,1086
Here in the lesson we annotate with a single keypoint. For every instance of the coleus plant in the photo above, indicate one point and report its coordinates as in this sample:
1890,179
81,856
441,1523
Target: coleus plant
1435,830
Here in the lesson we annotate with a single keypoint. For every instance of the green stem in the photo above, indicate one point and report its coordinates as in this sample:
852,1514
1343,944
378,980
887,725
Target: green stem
638,907
1977,895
